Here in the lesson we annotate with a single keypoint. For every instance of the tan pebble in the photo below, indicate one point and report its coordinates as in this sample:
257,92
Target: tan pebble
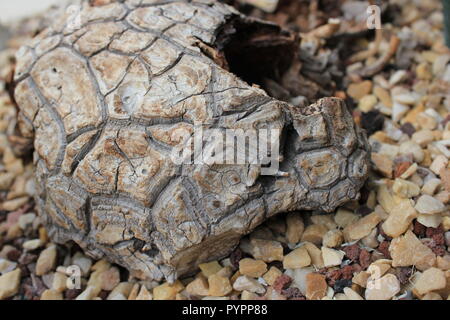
298,258
430,221
383,164
383,95
59,282
431,296
359,90
430,280
144,294
272,294
210,268
410,171
431,186
446,223
388,149
371,240
46,261
384,288
198,287
15,167
101,265
333,238
352,294
294,227
411,147
423,71
443,263
247,295
87,294
110,278
379,268
429,205
423,137
445,177
405,189
345,217
361,278
400,218
167,291
398,111
324,219
14,232
249,284
266,250
43,236
124,288
50,294
316,286
134,292
14,204
315,254
314,233
225,272
332,257
387,199
252,268
9,284
438,164
32,244
407,251
426,121
443,196
6,179
367,103
219,286
397,77
362,227
272,275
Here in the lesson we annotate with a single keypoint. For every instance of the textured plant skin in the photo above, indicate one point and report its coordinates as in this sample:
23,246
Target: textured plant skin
106,104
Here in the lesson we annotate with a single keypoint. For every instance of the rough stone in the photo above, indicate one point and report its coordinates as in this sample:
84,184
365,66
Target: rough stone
266,250
219,286
333,238
407,251
298,258
252,268
46,261
362,227
428,205
249,284
314,233
316,286
294,227
399,219
9,284
430,280
332,257
384,288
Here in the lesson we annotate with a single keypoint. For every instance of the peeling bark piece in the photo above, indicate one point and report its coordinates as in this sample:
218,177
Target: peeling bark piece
112,98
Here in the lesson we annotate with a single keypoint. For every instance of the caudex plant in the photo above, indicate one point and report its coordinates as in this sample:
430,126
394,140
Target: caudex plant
107,102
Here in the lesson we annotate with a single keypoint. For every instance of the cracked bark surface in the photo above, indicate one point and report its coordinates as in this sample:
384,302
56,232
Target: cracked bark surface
107,103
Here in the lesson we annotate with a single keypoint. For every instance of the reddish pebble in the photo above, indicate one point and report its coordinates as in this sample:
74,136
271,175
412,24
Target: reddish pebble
282,282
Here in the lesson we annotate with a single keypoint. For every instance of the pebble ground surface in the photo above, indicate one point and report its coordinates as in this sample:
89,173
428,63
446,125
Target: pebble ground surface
391,244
